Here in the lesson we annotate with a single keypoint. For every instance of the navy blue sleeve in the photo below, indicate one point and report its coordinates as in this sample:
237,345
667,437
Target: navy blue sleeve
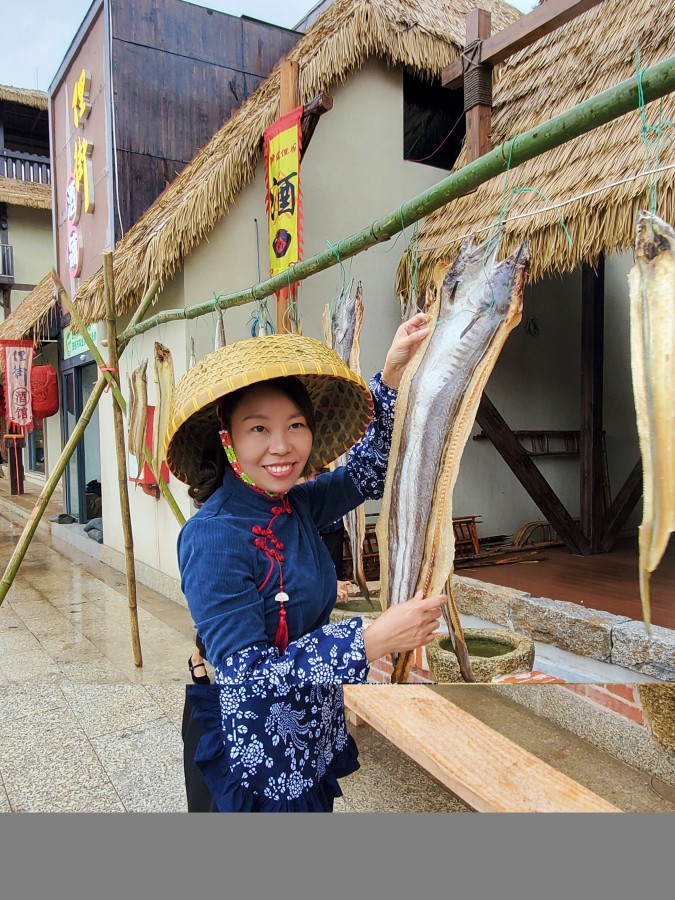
333,654
367,463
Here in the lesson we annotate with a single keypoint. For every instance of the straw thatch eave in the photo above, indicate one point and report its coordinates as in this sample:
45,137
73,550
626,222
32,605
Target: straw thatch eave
31,313
422,35
25,193
591,54
34,99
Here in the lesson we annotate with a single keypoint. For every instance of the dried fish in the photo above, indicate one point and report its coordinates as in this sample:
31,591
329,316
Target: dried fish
652,325
479,301
164,384
138,412
220,330
343,326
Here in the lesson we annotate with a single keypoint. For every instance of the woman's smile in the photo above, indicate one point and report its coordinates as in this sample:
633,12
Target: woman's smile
271,439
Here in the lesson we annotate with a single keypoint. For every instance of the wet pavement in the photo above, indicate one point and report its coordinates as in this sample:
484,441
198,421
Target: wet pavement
83,729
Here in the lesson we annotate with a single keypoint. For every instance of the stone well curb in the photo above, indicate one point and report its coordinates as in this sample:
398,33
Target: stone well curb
593,633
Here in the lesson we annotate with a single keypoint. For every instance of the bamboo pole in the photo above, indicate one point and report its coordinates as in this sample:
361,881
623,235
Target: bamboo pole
95,352
145,303
113,370
657,81
47,491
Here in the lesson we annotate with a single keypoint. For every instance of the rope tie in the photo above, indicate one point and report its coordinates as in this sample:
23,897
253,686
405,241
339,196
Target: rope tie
477,77
115,371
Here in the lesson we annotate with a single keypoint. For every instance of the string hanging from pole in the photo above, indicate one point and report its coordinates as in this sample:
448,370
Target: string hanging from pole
652,136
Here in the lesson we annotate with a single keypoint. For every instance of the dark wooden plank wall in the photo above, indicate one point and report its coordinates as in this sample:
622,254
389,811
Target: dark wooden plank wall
179,72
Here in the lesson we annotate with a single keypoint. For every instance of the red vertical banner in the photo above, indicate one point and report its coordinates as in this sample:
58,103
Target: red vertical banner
17,361
282,146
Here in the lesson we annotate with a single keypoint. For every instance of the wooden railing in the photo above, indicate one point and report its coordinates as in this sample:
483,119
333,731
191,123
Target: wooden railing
25,167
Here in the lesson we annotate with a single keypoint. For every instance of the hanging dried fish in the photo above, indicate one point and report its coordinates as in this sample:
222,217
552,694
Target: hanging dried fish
652,326
345,335
138,412
220,330
164,385
479,301
193,358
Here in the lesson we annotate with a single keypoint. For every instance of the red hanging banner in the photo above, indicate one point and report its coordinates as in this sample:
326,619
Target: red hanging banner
17,361
282,178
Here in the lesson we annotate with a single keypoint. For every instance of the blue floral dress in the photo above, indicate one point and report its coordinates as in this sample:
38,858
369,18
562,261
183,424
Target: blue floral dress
274,736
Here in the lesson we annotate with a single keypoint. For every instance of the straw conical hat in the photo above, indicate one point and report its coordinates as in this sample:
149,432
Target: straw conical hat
342,402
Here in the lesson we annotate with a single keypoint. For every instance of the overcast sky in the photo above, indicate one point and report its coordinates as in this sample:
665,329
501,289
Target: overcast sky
39,32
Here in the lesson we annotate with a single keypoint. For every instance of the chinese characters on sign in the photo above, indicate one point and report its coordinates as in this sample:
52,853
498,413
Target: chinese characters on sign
80,187
282,173
17,360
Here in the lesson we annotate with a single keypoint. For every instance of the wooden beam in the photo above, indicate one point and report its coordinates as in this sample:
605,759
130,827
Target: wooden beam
290,99
478,115
518,460
482,767
591,452
623,505
311,114
541,21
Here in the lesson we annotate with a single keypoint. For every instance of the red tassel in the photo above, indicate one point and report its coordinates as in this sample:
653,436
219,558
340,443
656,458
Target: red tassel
281,637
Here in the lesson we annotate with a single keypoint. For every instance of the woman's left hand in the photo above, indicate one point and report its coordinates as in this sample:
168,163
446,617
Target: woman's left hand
406,341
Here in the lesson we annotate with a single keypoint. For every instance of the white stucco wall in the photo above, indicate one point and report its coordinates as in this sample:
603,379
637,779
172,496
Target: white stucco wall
352,174
30,234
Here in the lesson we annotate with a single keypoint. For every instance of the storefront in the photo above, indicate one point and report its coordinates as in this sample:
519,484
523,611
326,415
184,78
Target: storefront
82,477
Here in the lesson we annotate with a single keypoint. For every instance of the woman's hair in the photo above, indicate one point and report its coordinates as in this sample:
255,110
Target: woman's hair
214,461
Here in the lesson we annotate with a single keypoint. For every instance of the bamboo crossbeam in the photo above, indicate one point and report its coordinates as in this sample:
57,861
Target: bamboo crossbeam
118,424
657,81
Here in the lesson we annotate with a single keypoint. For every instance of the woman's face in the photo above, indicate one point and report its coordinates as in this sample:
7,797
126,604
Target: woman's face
271,439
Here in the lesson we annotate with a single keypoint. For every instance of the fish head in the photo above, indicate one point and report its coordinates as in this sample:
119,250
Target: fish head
652,236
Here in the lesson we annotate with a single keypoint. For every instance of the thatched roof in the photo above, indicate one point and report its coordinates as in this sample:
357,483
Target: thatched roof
25,193
594,52
35,99
31,313
423,35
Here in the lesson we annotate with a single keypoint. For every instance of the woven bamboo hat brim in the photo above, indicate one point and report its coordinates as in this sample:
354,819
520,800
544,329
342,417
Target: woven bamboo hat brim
342,403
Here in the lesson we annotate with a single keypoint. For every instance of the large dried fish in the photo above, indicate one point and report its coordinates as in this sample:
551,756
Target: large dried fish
164,386
652,325
138,412
478,302
343,323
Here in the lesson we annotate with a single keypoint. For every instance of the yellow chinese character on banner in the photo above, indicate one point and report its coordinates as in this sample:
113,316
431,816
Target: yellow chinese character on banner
80,105
83,173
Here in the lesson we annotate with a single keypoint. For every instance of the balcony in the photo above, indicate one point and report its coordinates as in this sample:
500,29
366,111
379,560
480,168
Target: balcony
25,167
6,264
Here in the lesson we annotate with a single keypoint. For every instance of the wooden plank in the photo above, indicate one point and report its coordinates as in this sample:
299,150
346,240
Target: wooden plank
541,21
623,505
520,463
481,766
591,454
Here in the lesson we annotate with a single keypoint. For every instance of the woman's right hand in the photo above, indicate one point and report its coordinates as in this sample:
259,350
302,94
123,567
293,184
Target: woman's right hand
403,627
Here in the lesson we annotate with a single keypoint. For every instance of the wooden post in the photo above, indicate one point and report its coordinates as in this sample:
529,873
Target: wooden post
592,482
290,99
113,366
477,83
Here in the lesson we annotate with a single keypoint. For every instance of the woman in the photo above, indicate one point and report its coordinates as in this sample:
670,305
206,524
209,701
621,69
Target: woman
247,422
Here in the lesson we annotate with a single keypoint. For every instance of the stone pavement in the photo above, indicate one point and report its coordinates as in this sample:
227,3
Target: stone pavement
83,729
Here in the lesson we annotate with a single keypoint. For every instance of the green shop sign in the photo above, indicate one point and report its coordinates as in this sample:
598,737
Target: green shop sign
73,344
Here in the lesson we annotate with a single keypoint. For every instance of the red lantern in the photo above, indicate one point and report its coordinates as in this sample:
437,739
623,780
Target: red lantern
44,387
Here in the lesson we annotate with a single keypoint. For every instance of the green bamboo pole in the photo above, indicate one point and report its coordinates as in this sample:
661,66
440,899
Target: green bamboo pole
47,491
598,110
145,303
121,402
118,425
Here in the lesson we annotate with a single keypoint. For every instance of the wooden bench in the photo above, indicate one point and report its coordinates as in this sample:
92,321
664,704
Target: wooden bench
479,765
